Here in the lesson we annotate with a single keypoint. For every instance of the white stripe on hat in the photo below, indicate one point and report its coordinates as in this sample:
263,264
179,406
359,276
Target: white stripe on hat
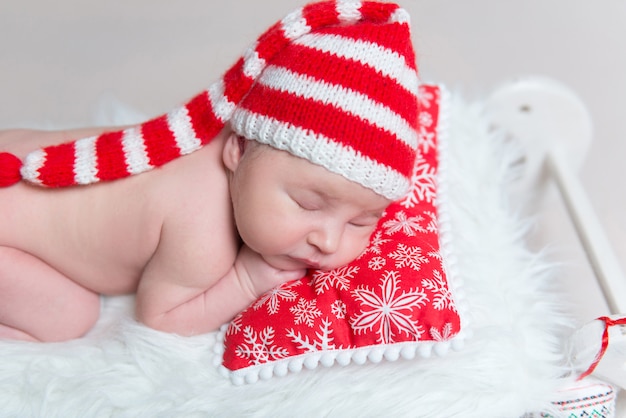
32,163
323,151
384,60
400,16
134,148
294,25
253,64
222,107
350,101
179,123
349,10
85,168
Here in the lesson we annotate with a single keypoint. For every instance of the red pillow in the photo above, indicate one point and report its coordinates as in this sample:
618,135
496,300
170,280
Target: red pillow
394,300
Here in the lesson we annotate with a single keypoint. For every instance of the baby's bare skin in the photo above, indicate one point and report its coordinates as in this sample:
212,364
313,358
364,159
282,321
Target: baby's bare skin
103,235
172,235
158,229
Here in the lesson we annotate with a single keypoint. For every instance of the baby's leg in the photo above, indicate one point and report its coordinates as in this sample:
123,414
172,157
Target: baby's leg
38,303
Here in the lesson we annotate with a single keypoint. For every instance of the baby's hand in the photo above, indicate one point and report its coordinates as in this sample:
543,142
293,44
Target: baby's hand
257,276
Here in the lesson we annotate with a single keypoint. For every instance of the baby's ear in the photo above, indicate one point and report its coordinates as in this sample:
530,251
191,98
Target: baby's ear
232,152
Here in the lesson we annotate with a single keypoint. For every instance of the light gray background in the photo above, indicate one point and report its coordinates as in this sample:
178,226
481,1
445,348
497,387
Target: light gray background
58,58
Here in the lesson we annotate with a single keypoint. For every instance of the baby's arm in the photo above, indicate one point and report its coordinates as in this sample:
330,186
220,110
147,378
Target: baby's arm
257,276
190,306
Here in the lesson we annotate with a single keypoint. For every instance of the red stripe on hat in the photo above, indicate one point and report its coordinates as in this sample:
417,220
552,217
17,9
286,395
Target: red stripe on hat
58,168
110,158
373,11
352,75
345,129
387,38
236,83
318,15
160,141
321,14
203,119
271,41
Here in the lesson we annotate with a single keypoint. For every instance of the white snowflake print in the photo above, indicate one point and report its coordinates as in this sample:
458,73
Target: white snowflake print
402,223
435,255
235,325
426,140
444,335
423,184
376,263
260,348
338,308
274,296
338,278
387,308
305,312
425,97
442,298
425,119
376,242
433,225
323,340
407,256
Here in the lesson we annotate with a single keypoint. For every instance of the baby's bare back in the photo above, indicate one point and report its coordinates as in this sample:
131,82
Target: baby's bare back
104,236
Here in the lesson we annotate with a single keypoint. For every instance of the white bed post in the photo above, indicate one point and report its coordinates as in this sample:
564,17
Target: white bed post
554,127
590,232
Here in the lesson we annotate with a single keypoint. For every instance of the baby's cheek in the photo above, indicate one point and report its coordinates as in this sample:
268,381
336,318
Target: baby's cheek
273,233
353,249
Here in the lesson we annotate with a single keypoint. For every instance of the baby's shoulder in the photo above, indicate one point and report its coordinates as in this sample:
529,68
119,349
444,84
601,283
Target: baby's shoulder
198,224
190,187
195,247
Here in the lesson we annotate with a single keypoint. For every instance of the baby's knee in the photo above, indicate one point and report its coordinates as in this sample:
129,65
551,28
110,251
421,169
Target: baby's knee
77,319
41,302
90,315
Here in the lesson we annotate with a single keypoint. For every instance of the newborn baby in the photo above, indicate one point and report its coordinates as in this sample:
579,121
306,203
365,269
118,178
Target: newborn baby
285,164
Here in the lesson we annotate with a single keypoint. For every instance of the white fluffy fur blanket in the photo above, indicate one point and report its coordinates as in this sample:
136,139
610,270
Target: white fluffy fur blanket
509,366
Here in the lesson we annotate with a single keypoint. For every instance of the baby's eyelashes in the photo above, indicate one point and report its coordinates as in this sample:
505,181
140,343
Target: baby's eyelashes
308,201
362,224
308,206
368,221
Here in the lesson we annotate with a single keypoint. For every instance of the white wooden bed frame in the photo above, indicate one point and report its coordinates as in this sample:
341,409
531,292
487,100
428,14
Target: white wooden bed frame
555,130
556,153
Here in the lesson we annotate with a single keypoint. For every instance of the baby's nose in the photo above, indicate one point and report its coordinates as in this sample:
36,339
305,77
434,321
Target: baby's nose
326,239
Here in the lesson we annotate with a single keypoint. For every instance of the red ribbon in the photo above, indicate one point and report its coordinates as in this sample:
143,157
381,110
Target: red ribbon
608,322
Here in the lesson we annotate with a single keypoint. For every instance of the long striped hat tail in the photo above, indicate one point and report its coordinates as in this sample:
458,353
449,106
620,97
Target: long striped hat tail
187,128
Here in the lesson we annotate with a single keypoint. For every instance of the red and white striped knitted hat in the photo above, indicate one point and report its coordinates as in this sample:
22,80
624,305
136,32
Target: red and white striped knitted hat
334,82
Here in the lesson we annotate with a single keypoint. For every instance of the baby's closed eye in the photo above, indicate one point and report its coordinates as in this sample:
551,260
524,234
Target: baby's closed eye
307,200
308,205
366,221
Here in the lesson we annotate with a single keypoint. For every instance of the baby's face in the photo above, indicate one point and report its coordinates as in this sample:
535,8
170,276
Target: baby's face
300,215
